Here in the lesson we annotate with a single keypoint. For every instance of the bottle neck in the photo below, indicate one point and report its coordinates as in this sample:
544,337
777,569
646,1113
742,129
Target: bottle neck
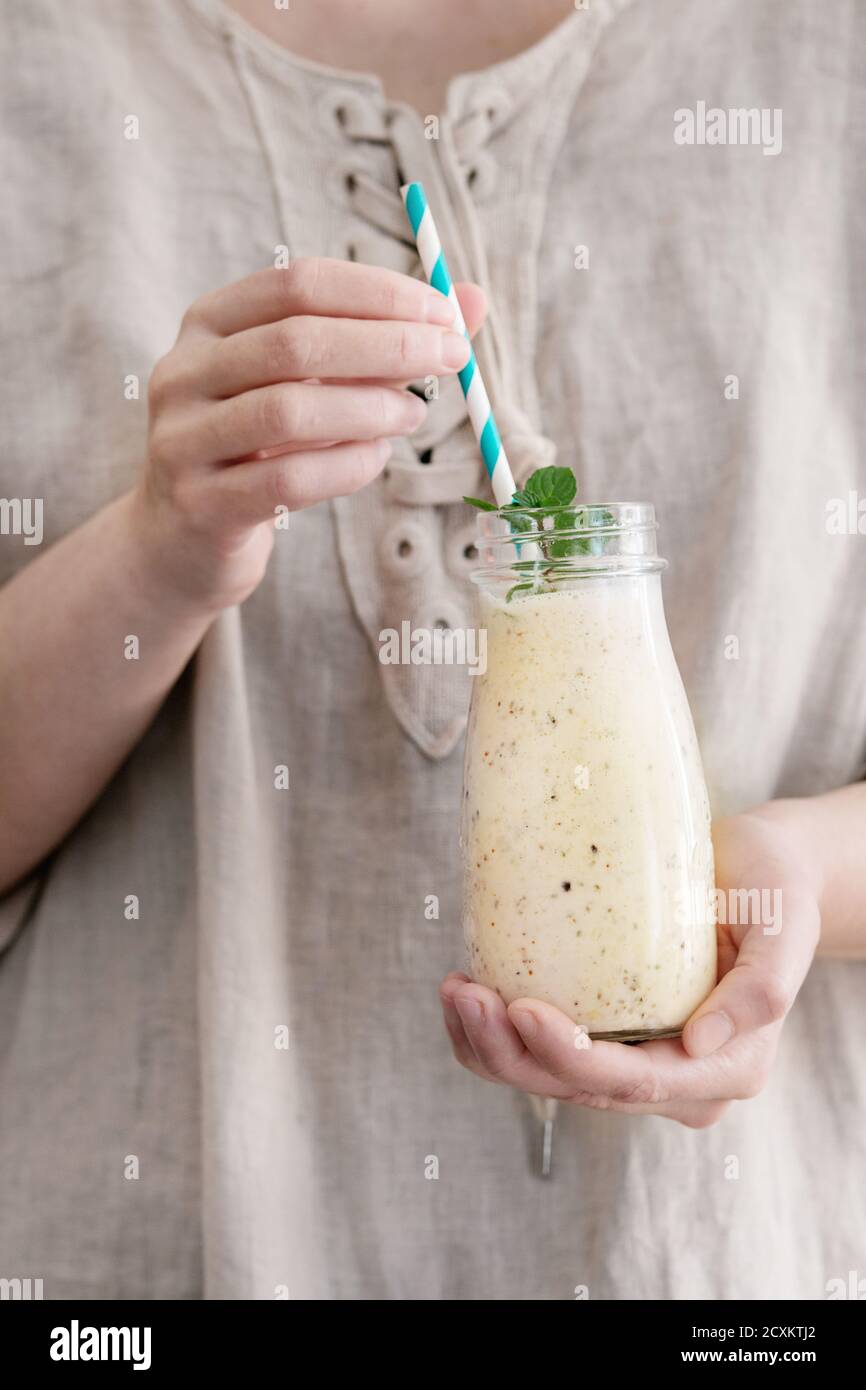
540,549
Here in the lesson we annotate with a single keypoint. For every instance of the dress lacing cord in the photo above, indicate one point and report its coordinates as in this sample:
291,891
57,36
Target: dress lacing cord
468,170
464,141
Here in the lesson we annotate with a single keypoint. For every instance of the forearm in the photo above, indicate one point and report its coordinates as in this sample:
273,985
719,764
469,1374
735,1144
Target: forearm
74,699
829,833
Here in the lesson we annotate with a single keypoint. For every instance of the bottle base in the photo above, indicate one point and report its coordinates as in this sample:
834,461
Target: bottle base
637,1035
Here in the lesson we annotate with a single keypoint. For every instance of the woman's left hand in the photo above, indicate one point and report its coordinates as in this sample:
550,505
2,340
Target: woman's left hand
729,1043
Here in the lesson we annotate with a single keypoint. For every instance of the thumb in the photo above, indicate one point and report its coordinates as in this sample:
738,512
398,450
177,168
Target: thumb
473,305
761,986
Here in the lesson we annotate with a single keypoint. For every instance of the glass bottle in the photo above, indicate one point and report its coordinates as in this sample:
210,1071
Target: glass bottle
585,826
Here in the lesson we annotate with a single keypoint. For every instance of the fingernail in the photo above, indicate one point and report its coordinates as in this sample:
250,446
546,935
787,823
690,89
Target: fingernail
439,309
708,1033
470,1010
525,1022
455,350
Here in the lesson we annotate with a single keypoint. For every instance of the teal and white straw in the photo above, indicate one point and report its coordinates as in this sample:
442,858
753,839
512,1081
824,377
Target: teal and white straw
480,412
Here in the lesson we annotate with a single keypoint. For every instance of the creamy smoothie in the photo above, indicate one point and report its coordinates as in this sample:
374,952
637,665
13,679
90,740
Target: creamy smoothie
585,824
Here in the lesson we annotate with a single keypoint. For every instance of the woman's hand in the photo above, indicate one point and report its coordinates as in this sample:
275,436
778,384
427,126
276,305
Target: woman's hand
729,1043
282,390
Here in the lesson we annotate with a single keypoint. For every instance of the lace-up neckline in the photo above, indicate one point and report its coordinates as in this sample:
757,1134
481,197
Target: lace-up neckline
464,173
478,107
404,551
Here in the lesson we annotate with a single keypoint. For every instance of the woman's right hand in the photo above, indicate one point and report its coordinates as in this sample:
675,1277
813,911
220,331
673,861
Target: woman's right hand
282,390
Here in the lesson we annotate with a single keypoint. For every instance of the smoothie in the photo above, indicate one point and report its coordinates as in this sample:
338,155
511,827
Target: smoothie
585,824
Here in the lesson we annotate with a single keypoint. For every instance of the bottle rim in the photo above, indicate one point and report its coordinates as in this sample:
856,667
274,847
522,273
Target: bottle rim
610,537
632,514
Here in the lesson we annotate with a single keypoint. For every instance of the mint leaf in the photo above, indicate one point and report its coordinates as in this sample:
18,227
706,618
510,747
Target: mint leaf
480,503
547,487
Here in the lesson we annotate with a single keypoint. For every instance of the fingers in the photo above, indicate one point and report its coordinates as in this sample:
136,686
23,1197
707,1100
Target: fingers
486,1041
460,1043
298,348
531,1045
245,494
762,984
317,285
298,412
535,1048
655,1077
601,1070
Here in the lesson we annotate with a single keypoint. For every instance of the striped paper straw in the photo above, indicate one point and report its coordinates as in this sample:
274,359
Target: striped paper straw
480,412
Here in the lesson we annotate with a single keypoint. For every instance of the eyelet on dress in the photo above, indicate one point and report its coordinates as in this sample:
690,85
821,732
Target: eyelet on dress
335,109
405,549
341,180
481,175
443,614
495,102
461,551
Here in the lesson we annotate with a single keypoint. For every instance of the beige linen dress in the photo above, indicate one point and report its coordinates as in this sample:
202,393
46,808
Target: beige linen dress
265,1169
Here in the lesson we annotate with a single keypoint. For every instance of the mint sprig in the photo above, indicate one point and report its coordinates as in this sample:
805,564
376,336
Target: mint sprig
551,491
549,488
